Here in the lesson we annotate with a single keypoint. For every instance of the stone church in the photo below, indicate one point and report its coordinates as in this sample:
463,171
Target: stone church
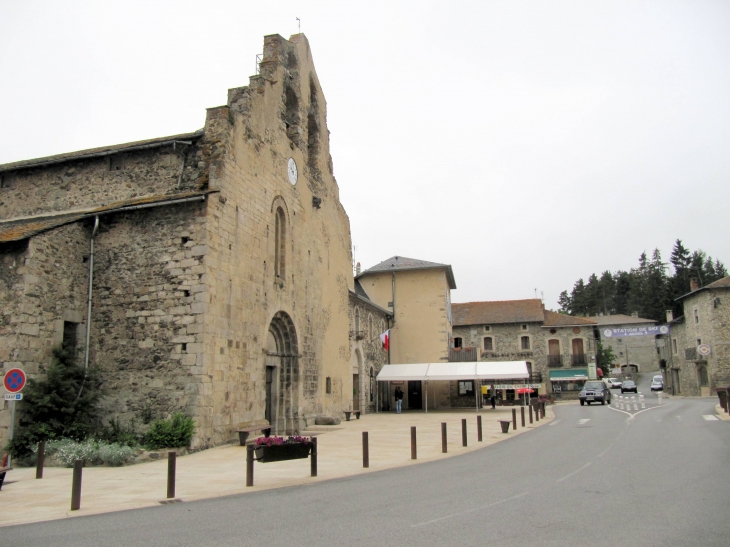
208,272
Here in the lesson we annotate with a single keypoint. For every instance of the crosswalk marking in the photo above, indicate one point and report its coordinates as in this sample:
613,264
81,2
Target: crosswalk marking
709,417
584,420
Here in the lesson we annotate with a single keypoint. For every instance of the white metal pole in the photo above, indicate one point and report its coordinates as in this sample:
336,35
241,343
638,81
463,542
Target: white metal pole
10,429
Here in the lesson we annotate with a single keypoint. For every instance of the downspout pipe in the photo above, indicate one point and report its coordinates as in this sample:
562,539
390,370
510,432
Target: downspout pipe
91,286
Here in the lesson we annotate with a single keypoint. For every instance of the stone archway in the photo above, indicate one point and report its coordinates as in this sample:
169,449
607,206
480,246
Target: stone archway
282,375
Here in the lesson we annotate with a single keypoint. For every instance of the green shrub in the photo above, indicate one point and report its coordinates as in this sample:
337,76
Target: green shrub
173,432
95,452
64,403
118,433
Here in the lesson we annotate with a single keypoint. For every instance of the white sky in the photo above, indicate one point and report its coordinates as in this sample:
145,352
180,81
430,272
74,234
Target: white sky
526,143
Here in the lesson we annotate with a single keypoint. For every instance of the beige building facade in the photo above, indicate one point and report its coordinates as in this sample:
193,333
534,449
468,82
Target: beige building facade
221,267
418,293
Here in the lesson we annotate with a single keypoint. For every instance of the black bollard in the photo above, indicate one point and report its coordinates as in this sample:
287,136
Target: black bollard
542,410
522,416
479,428
537,412
365,450
414,453
514,419
529,408
76,485
463,432
249,465
444,448
40,459
171,462
313,462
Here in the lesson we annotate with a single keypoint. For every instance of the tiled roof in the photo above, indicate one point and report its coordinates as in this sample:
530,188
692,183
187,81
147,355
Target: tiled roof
101,151
16,230
497,312
402,263
554,319
619,319
723,283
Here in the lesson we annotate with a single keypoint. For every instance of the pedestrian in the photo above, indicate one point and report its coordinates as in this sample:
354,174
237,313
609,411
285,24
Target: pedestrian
398,400
493,402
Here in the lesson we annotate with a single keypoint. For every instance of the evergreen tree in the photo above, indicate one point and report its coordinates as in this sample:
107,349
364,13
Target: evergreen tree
63,404
564,302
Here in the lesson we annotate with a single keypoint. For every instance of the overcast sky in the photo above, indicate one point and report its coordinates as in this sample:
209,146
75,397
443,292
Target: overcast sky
526,143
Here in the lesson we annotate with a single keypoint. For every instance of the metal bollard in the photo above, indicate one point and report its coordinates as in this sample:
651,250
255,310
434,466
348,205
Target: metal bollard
40,459
171,461
621,402
443,437
313,458
542,410
414,454
514,419
537,413
365,450
660,397
522,415
641,399
479,428
463,432
76,485
249,465
529,409
633,402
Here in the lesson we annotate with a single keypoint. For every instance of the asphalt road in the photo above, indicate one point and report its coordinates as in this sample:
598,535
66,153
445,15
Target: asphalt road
593,476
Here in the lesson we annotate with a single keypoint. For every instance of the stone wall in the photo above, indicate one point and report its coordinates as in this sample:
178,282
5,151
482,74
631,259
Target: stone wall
712,327
366,350
43,282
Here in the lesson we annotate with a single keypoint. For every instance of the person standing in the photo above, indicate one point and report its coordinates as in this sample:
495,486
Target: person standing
398,400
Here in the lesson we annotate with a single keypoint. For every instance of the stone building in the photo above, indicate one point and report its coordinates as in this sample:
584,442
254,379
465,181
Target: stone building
218,262
556,347
699,360
419,294
367,353
633,353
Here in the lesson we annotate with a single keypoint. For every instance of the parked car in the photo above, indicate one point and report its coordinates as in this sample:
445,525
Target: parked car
657,383
593,392
628,385
613,383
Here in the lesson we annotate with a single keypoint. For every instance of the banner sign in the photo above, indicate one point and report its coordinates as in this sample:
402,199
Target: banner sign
628,332
516,386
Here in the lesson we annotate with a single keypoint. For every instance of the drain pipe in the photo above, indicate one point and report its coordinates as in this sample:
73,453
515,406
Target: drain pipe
91,285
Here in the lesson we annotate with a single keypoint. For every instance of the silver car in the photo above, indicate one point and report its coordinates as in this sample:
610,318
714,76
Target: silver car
594,392
657,383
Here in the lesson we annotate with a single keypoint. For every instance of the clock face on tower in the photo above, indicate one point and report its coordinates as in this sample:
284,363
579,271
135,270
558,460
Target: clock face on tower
292,169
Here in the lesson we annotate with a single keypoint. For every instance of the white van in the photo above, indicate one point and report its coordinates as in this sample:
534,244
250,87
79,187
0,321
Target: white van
657,383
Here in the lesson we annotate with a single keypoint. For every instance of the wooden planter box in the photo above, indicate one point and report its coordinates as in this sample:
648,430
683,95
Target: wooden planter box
279,452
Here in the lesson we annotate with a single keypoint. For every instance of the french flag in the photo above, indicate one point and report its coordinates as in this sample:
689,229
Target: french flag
385,339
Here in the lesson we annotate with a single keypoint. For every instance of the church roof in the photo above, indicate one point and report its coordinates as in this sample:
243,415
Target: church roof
402,263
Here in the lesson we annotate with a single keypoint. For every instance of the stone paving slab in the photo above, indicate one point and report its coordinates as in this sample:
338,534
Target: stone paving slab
221,471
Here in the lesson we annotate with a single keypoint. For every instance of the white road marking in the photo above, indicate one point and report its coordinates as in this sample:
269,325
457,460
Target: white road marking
553,422
584,420
470,510
710,417
574,472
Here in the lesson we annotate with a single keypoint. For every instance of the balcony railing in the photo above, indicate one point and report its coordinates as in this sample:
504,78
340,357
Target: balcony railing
458,355
578,359
555,360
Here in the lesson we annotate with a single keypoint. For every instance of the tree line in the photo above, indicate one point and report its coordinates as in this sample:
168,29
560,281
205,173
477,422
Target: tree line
647,289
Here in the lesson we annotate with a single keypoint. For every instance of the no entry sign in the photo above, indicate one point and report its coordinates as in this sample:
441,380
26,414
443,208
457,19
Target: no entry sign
14,380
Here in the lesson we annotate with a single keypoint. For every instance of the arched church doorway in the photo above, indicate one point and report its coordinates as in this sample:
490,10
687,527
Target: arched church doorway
282,375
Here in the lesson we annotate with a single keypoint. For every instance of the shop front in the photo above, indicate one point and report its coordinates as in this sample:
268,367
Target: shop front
568,383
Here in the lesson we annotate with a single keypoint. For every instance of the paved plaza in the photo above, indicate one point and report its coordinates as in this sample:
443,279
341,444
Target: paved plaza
221,471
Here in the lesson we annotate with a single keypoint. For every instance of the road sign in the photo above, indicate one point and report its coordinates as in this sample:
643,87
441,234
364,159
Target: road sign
14,380
13,396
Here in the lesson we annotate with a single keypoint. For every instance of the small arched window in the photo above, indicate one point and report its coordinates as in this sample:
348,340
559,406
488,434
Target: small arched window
357,320
370,326
280,244
704,380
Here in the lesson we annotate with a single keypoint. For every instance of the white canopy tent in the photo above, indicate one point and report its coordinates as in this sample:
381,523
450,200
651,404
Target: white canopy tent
475,370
